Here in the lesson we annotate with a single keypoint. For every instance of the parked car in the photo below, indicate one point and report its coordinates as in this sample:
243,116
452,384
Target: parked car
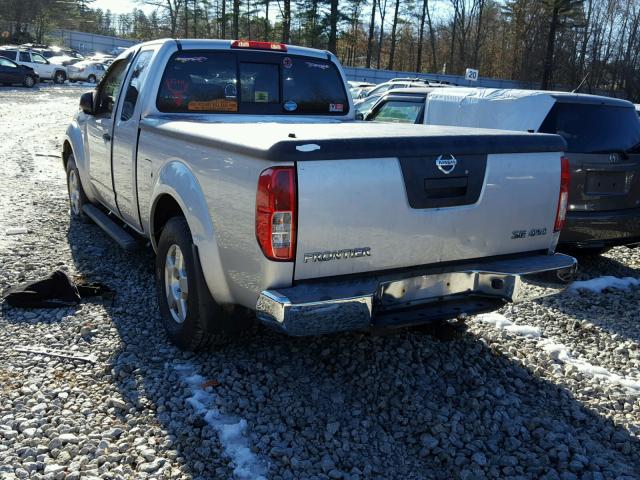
404,105
11,73
242,164
86,71
409,79
357,84
64,60
603,148
43,67
101,58
364,105
383,87
360,93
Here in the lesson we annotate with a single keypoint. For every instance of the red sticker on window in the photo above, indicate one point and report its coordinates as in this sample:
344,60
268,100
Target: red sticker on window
336,107
287,62
177,87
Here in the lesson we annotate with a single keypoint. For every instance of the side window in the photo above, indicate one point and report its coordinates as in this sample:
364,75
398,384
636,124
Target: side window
38,58
109,88
7,63
24,57
138,77
398,112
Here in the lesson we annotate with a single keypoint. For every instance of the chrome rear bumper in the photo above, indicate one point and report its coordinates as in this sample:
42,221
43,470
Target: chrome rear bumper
413,297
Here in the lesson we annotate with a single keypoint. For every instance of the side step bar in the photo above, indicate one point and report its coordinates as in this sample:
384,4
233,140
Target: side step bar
114,230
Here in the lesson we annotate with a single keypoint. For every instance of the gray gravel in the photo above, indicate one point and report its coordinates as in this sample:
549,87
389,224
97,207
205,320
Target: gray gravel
480,403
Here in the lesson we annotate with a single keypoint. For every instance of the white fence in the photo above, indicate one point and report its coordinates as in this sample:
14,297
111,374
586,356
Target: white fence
379,76
88,42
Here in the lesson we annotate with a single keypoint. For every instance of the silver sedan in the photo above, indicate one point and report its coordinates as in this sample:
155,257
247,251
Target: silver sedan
85,71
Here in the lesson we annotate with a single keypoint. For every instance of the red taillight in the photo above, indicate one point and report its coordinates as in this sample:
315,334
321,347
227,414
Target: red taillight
276,213
563,199
279,47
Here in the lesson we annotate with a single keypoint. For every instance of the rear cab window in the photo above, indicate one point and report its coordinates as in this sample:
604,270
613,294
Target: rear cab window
593,128
249,82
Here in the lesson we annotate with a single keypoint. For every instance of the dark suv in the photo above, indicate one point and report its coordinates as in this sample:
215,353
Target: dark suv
603,148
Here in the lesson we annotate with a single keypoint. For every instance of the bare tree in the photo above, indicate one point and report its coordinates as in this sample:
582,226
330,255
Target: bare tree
372,25
333,26
394,27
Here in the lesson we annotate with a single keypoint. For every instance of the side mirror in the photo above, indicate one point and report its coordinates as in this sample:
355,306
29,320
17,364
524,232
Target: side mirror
86,103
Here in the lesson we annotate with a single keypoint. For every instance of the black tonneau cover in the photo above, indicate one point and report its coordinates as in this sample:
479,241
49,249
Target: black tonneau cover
318,140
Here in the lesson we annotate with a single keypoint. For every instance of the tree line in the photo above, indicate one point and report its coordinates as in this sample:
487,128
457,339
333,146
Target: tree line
563,44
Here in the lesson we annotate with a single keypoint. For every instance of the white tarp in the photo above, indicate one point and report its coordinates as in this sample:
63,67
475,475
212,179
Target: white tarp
504,109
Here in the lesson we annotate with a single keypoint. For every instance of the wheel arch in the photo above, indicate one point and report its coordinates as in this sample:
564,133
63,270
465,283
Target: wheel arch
177,192
73,145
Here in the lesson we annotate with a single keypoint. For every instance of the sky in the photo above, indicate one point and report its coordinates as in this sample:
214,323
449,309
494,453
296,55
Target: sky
120,6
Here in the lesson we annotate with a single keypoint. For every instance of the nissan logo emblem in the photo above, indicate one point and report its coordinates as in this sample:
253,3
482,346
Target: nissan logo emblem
446,163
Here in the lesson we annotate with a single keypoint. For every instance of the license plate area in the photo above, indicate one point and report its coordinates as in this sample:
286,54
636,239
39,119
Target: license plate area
606,183
424,289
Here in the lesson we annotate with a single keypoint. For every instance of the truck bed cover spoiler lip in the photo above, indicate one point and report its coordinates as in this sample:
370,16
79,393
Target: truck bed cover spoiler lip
319,308
346,146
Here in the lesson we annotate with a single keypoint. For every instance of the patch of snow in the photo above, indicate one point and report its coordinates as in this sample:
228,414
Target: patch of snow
528,331
231,431
309,147
496,319
503,323
560,352
599,284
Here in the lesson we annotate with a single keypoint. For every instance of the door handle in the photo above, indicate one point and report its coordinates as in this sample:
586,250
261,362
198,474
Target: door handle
106,136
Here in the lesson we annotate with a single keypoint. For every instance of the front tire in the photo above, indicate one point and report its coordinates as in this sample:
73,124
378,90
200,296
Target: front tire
77,197
192,319
92,79
29,81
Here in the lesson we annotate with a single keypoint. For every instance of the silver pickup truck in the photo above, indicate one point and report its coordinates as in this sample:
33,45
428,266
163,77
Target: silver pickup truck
243,165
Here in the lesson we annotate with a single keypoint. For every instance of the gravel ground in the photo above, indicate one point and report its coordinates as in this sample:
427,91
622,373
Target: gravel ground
487,402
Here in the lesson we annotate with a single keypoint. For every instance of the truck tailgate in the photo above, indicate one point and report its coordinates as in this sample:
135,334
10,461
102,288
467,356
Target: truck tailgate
360,215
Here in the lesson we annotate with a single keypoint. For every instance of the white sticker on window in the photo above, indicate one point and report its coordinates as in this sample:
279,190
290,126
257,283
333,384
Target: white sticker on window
321,66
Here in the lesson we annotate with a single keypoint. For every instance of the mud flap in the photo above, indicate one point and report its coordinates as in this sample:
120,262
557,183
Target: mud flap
219,319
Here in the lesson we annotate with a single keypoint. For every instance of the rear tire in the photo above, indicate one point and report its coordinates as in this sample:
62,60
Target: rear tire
29,81
77,197
192,319
59,77
92,79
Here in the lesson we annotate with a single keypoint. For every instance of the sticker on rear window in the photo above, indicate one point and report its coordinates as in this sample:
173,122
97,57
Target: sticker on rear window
336,107
261,97
219,105
177,87
321,66
287,62
191,59
290,106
